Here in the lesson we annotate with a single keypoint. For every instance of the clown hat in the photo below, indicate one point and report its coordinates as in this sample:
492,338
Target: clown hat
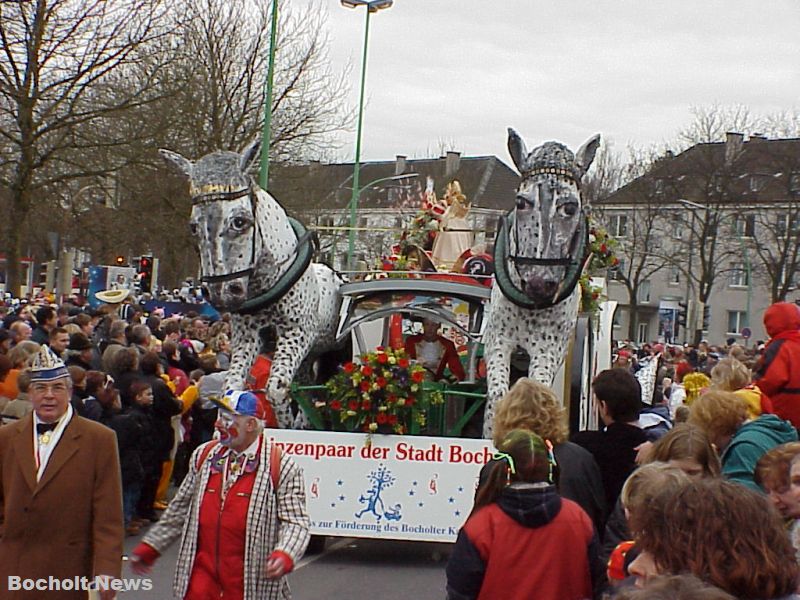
241,403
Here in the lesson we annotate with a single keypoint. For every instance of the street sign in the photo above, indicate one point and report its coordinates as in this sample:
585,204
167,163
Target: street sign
746,333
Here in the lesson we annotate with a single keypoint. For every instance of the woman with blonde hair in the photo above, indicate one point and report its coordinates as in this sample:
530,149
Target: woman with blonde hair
731,375
534,407
740,440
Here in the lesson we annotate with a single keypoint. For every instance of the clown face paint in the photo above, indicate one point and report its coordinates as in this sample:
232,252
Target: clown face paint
230,431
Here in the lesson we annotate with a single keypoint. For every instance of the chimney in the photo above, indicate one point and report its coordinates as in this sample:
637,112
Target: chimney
452,163
757,137
399,164
733,146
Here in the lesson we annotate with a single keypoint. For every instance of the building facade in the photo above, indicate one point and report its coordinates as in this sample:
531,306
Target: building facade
709,238
392,192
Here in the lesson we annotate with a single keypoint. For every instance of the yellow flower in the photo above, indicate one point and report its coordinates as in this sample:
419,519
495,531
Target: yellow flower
392,360
373,427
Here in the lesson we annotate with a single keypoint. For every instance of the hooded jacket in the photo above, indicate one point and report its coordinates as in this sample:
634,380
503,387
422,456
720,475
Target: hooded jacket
530,543
779,373
750,442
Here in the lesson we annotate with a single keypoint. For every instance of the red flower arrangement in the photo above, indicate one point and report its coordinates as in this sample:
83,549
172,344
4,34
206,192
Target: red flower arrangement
383,389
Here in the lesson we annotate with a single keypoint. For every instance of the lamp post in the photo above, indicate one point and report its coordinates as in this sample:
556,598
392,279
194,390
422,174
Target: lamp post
266,135
354,203
745,255
372,6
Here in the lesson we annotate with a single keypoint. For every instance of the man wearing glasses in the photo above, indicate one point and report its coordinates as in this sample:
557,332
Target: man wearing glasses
61,497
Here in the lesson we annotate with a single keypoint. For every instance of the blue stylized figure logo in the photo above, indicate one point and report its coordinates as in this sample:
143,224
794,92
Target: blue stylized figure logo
380,479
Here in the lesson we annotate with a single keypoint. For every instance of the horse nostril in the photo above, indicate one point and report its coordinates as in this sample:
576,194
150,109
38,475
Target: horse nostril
236,289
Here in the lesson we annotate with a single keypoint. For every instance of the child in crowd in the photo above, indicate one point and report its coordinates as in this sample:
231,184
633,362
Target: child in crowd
141,411
522,539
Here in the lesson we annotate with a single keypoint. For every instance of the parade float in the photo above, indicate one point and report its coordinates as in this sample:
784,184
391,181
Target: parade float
390,448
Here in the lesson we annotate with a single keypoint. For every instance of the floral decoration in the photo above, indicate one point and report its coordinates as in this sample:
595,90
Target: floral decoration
380,392
602,248
591,295
396,265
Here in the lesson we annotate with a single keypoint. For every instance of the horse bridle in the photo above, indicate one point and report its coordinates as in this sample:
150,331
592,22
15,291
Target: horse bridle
574,264
303,251
226,197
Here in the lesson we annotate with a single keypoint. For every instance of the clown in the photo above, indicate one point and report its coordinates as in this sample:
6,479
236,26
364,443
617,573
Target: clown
241,512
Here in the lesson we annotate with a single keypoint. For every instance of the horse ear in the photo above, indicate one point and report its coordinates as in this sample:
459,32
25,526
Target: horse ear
585,154
517,149
250,155
179,163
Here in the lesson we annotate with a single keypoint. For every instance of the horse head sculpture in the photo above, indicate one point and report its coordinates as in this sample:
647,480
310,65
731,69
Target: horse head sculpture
543,240
231,217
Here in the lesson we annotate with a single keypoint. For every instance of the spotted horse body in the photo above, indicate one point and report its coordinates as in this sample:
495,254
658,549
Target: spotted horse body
256,264
540,252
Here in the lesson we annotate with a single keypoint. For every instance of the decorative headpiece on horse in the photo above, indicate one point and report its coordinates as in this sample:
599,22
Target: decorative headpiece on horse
542,244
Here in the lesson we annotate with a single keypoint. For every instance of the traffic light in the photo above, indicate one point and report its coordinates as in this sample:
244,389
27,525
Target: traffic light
682,310
120,261
706,316
145,272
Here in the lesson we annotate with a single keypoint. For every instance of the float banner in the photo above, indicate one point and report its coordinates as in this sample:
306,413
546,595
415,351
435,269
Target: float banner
399,487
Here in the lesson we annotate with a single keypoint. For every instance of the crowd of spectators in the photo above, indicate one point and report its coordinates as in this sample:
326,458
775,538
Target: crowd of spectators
149,379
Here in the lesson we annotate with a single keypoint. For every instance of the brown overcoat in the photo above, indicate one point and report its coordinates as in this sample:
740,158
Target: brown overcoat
70,523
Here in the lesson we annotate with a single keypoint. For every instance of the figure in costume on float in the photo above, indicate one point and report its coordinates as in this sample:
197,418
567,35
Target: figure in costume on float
434,352
240,513
455,236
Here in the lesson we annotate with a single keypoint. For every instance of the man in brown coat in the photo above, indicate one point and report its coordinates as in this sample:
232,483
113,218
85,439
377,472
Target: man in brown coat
60,496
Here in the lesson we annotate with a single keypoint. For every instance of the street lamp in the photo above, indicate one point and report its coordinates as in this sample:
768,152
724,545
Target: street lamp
372,6
266,134
745,253
354,202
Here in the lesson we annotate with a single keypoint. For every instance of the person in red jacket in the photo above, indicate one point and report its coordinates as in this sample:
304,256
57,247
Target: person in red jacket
434,352
779,373
522,539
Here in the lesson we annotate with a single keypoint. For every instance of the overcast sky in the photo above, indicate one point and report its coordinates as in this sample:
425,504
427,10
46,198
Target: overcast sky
462,71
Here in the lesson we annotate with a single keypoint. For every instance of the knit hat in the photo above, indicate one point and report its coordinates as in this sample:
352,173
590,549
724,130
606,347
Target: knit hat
241,403
46,366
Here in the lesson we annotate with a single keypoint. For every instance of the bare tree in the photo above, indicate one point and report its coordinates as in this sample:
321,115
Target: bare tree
641,230
57,56
777,244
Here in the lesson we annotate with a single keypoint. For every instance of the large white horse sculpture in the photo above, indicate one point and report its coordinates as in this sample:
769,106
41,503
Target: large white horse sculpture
540,252
256,263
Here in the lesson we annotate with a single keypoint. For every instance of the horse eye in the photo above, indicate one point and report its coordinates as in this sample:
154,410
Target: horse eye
521,202
239,223
568,210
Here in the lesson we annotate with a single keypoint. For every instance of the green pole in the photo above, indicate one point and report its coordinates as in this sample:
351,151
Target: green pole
357,166
266,135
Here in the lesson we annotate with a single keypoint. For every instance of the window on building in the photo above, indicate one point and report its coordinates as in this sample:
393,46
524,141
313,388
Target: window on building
794,181
718,183
618,225
738,276
325,221
660,186
616,321
677,227
745,225
674,275
758,182
642,333
644,291
491,228
737,320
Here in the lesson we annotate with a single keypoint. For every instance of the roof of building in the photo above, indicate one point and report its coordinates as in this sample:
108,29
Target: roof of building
753,171
485,180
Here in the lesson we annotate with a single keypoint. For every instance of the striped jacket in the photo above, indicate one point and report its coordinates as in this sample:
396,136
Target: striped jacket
289,532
